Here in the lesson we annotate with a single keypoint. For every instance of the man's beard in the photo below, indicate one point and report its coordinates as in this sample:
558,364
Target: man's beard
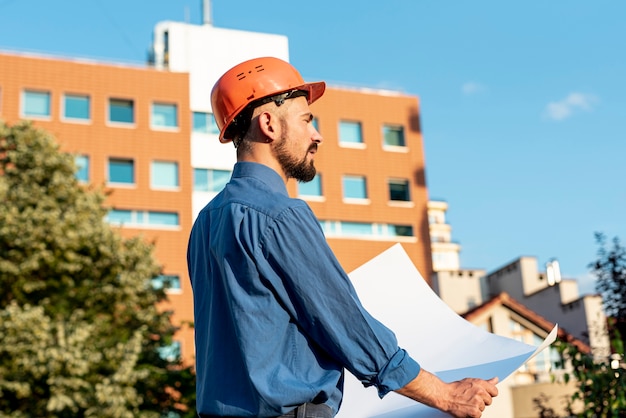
301,170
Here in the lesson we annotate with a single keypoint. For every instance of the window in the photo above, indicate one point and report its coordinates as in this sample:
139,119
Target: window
208,180
167,282
120,217
121,111
164,115
546,360
171,352
82,167
162,219
311,188
356,228
400,230
204,123
166,48
350,132
134,218
36,104
399,190
316,123
76,107
121,171
354,187
164,174
393,136
366,230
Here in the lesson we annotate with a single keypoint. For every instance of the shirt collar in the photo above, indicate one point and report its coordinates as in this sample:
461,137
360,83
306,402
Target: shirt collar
261,172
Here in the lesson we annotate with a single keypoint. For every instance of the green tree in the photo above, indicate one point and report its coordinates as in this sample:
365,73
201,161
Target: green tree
610,271
602,382
79,324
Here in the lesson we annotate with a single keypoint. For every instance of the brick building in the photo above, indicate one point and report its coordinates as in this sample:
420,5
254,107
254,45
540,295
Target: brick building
147,134
129,128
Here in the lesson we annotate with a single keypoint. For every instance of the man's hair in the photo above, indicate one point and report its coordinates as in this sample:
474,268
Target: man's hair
240,126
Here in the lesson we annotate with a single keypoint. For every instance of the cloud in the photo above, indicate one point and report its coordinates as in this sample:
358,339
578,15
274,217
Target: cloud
564,108
472,87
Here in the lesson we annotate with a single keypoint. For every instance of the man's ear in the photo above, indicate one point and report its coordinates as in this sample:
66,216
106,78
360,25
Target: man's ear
269,125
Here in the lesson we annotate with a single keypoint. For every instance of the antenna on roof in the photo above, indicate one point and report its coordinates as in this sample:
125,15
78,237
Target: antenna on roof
553,272
206,12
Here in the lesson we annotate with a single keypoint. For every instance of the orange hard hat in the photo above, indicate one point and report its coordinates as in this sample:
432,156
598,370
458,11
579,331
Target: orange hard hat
252,80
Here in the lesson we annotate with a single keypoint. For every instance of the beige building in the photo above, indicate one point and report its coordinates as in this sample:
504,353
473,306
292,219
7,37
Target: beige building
555,298
521,302
544,292
503,315
445,252
461,289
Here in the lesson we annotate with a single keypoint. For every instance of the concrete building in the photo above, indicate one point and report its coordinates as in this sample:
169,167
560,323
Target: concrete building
445,252
555,298
461,289
521,302
503,315
544,292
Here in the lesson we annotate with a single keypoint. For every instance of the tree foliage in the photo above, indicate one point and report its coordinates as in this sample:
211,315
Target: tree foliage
80,327
601,383
610,271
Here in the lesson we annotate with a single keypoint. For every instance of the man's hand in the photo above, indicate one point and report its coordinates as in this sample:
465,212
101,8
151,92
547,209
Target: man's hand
469,397
465,398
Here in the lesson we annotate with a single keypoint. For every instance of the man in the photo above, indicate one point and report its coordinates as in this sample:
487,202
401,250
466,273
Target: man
276,317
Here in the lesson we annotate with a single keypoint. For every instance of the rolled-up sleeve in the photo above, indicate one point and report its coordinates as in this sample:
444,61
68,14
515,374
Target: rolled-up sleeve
313,287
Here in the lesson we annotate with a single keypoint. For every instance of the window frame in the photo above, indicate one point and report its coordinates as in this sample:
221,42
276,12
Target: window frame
40,116
141,219
397,181
154,117
317,183
121,123
121,183
155,186
354,199
391,126
210,124
344,123
64,108
367,231
211,183
158,282
80,169
171,353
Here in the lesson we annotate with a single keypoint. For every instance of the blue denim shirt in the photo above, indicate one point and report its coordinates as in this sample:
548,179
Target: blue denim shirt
276,317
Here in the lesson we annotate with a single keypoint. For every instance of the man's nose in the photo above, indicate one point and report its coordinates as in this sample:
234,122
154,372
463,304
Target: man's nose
317,137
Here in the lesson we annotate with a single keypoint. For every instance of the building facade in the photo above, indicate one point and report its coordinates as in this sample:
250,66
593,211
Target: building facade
370,191
545,292
129,130
521,302
543,375
147,134
445,252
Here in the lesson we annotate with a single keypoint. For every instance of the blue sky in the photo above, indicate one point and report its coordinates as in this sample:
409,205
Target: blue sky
523,104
